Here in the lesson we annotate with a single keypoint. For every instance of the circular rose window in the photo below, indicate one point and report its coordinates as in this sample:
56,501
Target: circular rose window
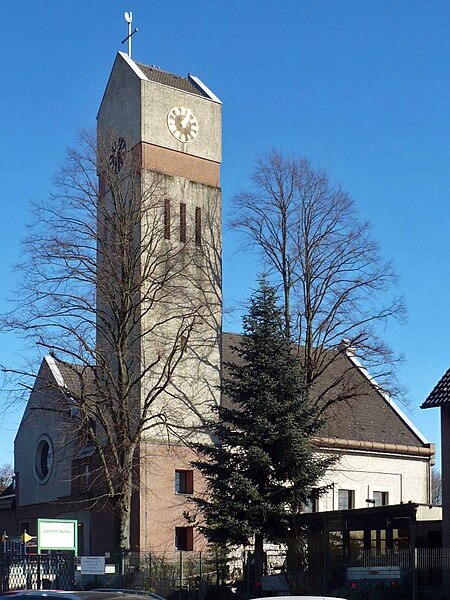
43,459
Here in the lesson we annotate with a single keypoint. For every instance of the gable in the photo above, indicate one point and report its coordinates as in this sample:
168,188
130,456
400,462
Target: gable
44,423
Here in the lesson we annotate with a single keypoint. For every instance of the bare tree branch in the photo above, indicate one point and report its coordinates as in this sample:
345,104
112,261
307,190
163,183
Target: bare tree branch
120,307
333,282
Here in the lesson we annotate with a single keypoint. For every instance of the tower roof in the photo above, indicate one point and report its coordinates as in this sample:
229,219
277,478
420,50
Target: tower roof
440,394
176,81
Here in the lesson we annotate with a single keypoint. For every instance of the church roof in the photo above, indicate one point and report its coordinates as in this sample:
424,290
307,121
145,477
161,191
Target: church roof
440,394
76,379
364,413
170,79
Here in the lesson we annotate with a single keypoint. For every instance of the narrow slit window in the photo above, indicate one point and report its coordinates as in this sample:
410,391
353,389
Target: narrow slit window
167,219
85,473
198,226
183,223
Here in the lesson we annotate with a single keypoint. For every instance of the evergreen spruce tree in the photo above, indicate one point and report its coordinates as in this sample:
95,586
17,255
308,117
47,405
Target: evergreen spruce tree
263,468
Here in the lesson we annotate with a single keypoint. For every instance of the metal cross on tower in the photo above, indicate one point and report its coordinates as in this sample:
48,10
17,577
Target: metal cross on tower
129,18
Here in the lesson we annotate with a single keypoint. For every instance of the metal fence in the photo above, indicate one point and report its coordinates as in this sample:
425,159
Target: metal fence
419,574
402,574
19,570
184,574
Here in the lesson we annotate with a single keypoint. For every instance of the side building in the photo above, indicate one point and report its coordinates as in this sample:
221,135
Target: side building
383,457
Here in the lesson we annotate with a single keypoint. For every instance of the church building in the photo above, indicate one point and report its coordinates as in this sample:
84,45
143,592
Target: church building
172,126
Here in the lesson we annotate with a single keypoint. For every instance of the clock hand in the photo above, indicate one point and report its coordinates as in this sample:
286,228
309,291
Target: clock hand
185,121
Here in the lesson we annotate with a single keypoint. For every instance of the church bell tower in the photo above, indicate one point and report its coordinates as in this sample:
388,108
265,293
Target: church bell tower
172,126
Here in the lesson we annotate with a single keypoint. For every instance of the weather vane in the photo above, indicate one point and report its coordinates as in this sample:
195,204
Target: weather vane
129,18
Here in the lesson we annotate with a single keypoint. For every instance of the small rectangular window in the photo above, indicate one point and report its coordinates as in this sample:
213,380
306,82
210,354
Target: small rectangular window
356,543
313,503
336,542
378,540
184,538
381,498
183,223
198,226
167,219
184,481
346,499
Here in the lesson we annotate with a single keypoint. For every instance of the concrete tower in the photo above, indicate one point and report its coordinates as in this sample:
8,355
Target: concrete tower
171,125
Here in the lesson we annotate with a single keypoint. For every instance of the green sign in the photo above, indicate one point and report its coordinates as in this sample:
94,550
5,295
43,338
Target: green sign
57,534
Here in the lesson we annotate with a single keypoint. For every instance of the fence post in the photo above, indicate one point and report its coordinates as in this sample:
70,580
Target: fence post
3,562
38,583
181,574
414,574
248,575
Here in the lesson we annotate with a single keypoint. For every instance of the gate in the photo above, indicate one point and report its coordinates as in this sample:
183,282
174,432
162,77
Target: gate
19,570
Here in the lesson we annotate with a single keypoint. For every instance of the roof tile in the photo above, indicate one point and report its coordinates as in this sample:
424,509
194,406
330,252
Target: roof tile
440,394
363,415
170,79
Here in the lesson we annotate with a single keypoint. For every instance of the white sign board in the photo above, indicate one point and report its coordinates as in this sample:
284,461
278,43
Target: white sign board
92,565
57,534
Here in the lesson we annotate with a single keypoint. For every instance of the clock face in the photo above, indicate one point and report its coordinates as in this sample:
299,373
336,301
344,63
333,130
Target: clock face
182,124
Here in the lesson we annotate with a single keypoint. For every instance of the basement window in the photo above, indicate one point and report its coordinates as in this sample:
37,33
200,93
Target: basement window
184,538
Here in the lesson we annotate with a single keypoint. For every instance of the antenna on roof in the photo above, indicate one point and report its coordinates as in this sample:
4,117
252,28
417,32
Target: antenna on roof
129,18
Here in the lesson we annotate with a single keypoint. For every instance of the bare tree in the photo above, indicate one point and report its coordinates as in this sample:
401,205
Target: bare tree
335,287
436,488
115,302
6,476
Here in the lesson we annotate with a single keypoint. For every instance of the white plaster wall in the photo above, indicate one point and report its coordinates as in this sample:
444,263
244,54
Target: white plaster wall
405,478
158,100
41,416
195,384
120,110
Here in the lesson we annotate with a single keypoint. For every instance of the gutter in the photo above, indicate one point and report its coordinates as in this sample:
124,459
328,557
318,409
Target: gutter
326,442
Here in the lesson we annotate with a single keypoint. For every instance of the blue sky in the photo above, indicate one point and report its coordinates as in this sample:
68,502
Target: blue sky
359,87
